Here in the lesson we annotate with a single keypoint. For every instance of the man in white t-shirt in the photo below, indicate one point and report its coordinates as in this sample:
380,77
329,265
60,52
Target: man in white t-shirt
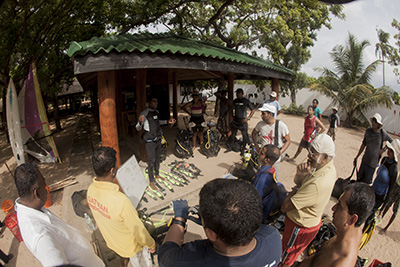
264,132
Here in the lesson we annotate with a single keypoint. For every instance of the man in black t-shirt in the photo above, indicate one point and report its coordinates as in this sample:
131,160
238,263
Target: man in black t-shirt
231,213
240,118
373,145
149,121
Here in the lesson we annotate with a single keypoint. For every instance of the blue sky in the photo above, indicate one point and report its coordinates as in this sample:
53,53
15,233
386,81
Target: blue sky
362,19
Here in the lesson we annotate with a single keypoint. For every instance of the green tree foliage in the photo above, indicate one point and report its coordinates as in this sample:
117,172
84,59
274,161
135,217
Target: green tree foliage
286,28
41,31
396,98
299,81
350,84
394,56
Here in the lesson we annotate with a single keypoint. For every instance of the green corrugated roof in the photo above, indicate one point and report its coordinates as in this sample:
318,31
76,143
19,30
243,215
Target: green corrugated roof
168,43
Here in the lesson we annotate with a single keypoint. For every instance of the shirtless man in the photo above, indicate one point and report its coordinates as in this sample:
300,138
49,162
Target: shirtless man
349,215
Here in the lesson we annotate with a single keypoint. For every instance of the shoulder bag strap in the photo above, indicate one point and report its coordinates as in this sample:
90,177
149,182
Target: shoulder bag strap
276,138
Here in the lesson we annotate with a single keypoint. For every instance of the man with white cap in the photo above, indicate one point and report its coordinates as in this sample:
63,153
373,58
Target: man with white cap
305,204
272,100
373,144
271,131
393,151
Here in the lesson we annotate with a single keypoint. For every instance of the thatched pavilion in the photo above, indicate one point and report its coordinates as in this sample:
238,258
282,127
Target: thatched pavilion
115,67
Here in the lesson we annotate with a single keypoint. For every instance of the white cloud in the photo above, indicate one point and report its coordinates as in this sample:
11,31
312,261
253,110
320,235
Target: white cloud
362,19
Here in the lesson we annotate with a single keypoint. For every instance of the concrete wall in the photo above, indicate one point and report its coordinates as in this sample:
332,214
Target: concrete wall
390,117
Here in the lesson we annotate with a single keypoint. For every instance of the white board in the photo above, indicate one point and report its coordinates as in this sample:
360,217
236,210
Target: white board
131,179
14,124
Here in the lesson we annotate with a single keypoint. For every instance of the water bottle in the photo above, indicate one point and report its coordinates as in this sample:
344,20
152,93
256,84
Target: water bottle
89,222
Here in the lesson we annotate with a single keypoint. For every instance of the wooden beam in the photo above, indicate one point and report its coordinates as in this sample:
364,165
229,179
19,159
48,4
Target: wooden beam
230,85
275,87
175,95
140,106
107,111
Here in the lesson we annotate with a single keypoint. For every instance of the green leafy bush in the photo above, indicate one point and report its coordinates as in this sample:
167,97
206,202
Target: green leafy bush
293,109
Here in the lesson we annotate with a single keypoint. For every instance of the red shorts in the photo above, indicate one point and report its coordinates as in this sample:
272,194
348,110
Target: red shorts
295,239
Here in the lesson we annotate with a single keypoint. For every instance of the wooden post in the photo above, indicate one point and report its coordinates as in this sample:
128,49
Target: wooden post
107,111
275,87
140,106
230,85
175,96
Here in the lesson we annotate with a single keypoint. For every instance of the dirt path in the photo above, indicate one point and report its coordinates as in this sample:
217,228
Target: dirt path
383,247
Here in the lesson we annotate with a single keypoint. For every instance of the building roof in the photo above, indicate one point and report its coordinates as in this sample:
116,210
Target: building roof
74,88
168,44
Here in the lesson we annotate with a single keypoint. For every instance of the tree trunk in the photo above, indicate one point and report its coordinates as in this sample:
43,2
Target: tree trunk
349,120
55,114
293,95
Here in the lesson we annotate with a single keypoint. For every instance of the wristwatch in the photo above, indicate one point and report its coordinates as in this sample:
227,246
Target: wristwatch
179,222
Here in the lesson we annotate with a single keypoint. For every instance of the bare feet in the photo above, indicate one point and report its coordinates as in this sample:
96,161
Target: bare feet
153,186
158,177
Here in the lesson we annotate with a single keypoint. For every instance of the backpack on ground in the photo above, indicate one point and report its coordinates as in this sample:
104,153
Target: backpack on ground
236,145
210,147
183,147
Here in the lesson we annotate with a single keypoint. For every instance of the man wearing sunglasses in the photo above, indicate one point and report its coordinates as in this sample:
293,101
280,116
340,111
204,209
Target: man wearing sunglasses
304,206
373,145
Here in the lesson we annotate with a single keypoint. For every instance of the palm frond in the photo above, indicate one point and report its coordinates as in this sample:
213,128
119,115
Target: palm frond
366,75
325,91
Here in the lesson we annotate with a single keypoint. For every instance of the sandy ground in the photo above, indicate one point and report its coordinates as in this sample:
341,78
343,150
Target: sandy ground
382,247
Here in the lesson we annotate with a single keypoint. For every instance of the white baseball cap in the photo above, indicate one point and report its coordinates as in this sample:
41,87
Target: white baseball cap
268,107
273,94
323,144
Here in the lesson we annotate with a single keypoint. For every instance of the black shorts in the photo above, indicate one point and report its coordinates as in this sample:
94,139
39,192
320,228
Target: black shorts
198,121
304,144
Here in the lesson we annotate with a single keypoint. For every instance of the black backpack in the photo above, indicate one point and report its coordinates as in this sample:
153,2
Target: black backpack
210,147
183,147
236,145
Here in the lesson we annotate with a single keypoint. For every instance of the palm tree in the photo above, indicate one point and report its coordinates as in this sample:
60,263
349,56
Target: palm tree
383,49
350,85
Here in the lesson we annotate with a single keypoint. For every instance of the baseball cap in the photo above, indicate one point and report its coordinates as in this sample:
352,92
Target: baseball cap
268,107
378,118
323,144
273,94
